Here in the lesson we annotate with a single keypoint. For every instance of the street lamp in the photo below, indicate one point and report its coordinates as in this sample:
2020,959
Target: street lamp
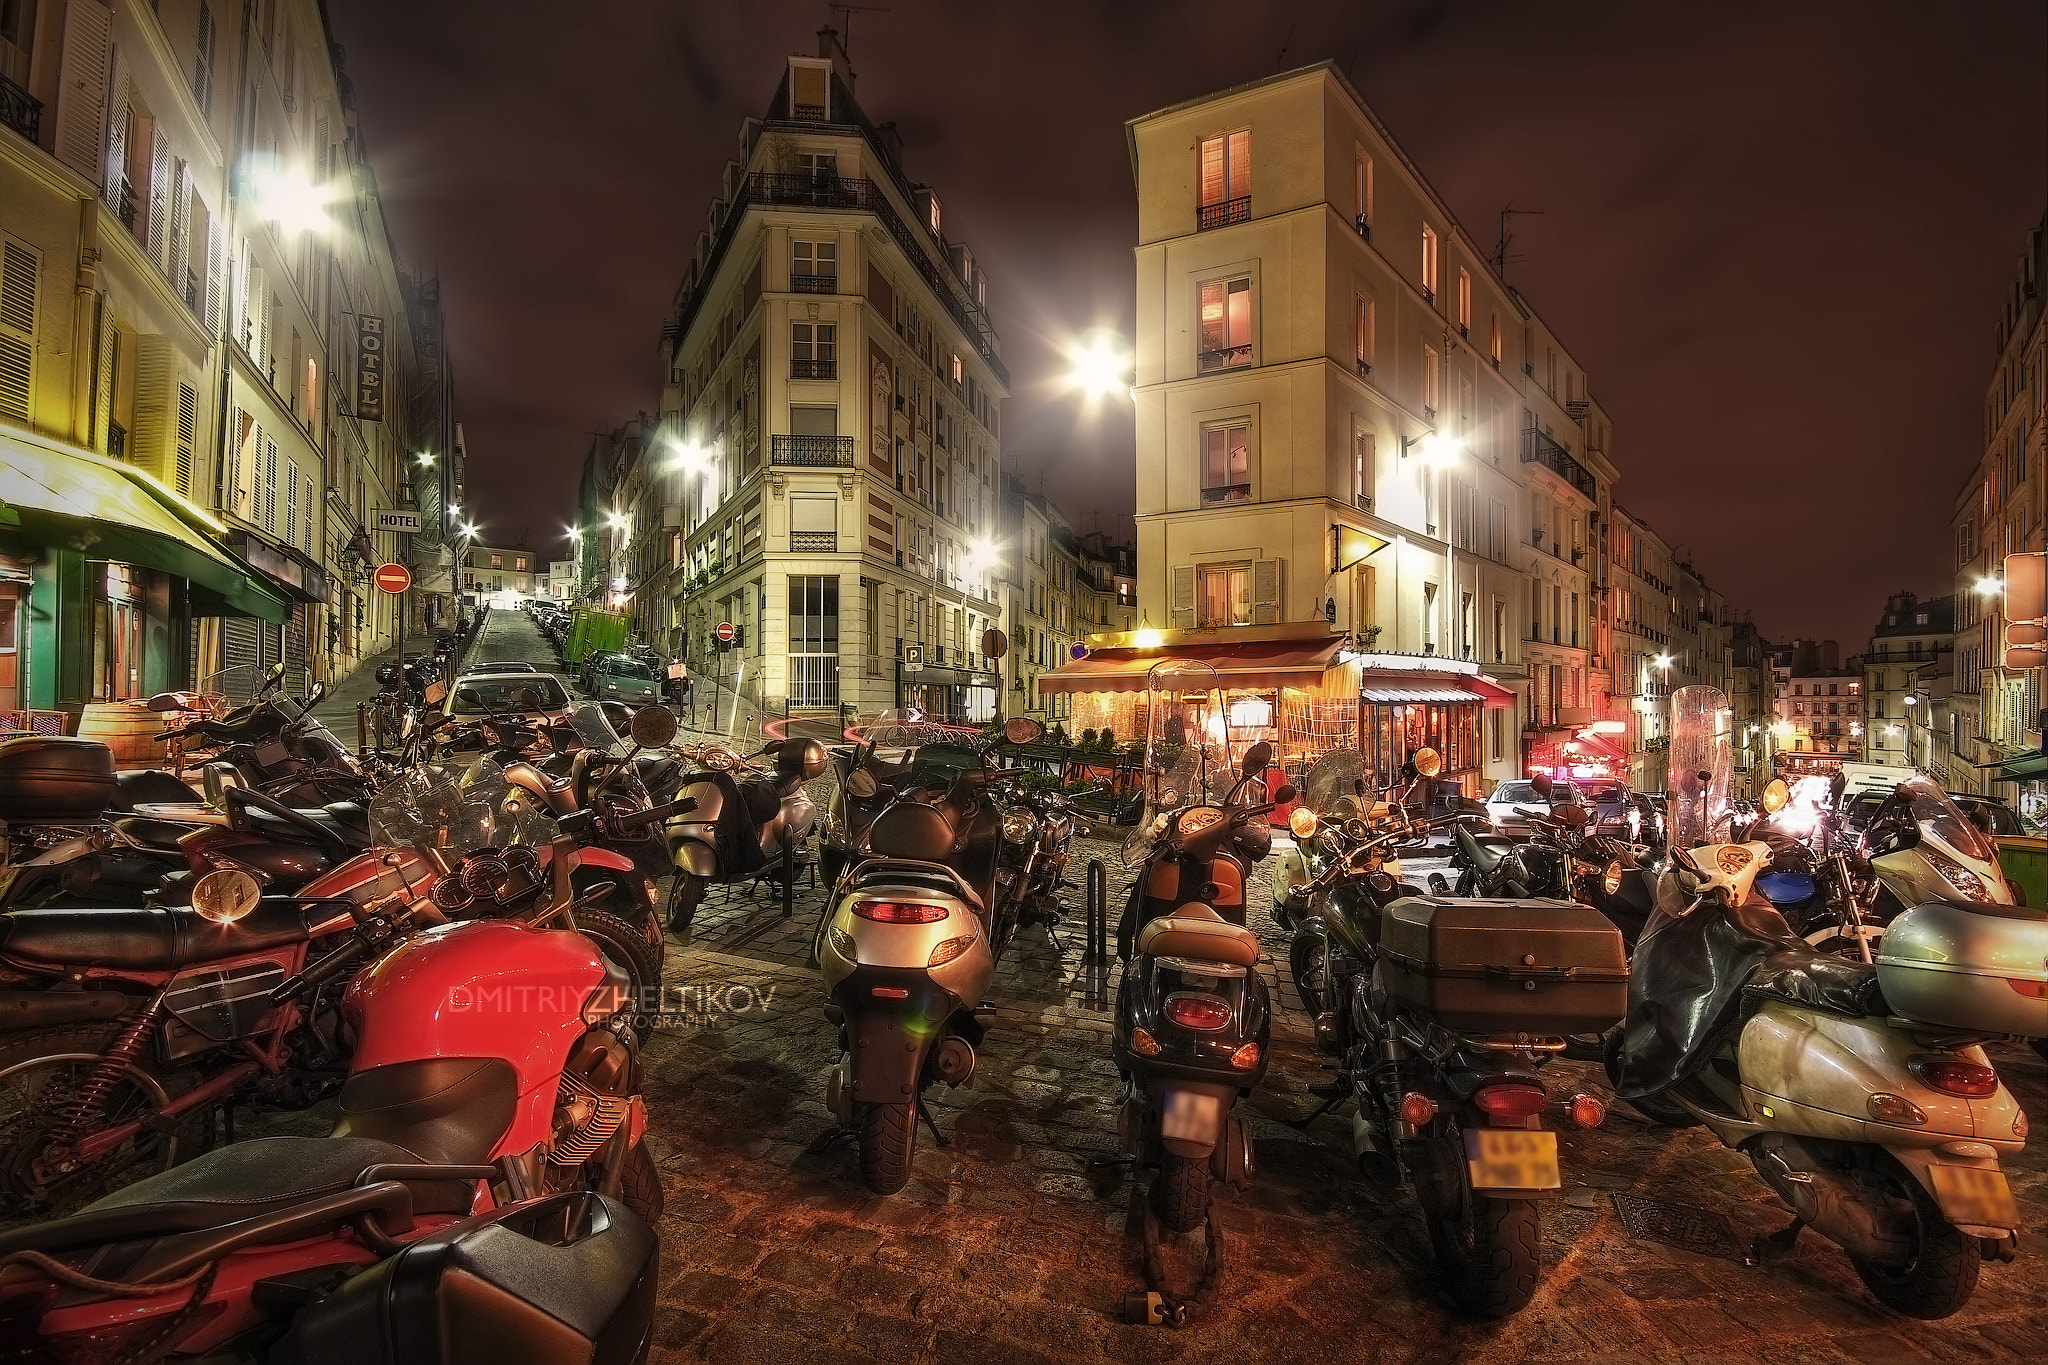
426,457
1100,366
288,197
1990,585
1437,449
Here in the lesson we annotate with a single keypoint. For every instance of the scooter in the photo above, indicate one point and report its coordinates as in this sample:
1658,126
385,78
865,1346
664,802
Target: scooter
486,1168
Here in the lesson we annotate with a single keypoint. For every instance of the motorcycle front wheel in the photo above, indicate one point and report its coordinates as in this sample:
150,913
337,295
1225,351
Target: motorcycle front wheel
888,1140
627,947
1489,1247
685,894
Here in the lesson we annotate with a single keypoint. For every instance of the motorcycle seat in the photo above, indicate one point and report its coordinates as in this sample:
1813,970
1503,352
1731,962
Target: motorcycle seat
151,784
764,801
1816,980
1484,858
152,938
152,833
228,1185
1195,931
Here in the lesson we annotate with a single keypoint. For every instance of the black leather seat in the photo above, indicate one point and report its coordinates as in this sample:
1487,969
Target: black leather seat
1803,976
229,1184
763,800
156,937
153,833
1483,859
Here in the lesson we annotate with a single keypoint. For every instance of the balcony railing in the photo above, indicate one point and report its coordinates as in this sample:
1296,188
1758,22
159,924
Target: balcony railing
1232,492
813,284
1540,449
1226,211
800,368
125,205
820,452
814,542
1229,358
20,110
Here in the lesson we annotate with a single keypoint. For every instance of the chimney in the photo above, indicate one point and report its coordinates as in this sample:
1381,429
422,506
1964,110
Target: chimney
829,45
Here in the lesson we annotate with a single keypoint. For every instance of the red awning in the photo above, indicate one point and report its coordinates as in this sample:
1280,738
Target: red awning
1256,663
1598,746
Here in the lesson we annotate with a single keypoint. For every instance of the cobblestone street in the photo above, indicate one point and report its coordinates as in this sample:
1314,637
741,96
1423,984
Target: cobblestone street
1015,1244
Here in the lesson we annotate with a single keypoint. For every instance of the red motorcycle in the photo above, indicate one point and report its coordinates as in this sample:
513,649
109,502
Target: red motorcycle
487,1161
123,1032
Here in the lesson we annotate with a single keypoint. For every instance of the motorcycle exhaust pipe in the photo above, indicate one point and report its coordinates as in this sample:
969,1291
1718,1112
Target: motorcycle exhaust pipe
41,1009
955,1061
1375,1158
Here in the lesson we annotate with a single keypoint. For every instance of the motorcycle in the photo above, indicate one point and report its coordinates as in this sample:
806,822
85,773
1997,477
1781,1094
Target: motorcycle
908,946
889,750
1860,1093
1193,1019
495,1052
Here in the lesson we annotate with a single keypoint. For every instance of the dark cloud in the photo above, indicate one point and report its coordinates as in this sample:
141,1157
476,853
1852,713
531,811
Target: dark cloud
1777,236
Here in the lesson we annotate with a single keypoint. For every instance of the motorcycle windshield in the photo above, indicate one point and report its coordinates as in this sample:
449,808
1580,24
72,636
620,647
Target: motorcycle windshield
1700,767
594,731
1334,787
1187,748
1938,818
724,716
908,747
456,809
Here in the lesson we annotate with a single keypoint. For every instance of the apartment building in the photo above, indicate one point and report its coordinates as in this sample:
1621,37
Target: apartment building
827,449
1817,712
203,314
1911,639
504,572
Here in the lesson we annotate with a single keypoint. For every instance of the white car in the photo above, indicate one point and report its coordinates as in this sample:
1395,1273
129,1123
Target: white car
538,696
1503,818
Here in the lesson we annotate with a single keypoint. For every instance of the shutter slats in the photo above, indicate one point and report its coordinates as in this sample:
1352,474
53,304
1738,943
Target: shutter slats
159,196
19,271
82,89
1183,596
151,444
1266,605
188,435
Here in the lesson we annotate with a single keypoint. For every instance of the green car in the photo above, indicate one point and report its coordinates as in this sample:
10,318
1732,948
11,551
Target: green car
624,680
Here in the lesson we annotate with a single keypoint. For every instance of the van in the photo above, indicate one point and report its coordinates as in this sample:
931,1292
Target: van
1864,777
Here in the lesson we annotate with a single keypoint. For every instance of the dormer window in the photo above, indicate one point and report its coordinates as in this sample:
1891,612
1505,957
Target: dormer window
809,92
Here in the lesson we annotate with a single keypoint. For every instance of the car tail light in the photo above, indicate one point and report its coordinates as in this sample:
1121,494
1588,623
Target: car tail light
1511,1101
1587,1111
1246,1057
949,950
1203,1012
1143,1043
899,912
1417,1109
1954,1076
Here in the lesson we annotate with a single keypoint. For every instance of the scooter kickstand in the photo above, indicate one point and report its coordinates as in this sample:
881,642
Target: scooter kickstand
1776,1246
938,1137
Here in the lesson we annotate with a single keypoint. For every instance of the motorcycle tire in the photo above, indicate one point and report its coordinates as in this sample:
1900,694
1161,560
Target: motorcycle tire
685,894
888,1140
1180,1193
77,1048
1941,1276
1308,964
624,945
640,1185
1488,1247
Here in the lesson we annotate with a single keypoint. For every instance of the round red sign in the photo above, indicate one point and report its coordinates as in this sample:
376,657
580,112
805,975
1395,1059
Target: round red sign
393,578
725,632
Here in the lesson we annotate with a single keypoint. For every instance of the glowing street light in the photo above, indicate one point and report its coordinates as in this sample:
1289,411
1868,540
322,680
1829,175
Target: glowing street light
1662,661
687,456
288,197
1990,586
1100,366
615,520
1437,448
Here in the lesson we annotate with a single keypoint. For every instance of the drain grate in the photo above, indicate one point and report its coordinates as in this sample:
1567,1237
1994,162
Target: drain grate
1684,1226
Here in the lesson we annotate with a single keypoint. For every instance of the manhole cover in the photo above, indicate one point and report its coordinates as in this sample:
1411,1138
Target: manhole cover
1677,1225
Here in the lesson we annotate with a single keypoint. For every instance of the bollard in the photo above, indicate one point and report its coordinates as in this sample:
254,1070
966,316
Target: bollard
362,729
1096,956
788,875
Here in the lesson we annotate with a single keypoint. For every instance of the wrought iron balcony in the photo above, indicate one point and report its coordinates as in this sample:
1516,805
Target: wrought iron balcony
1540,449
20,110
813,369
1232,492
821,452
1226,211
1229,358
813,284
126,204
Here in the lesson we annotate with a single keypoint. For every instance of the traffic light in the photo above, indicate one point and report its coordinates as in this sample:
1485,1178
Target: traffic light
2026,610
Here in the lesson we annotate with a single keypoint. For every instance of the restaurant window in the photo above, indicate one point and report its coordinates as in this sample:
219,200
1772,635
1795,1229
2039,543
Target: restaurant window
1223,595
1225,338
1226,463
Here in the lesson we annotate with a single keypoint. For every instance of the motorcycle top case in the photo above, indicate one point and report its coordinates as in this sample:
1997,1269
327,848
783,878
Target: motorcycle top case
1966,965
565,1277
1504,966
54,780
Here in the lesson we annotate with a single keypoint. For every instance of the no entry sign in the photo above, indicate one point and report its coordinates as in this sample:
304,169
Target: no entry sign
393,578
725,632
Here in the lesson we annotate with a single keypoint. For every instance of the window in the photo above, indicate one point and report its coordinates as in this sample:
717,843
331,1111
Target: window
1226,464
1493,342
1363,189
1226,179
1464,299
1225,338
202,63
955,370
1500,634
819,165
814,641
1429,260
932,215
813,350
1361,468
1363,317
519,563
1432,381
814,267
1465,625
1223,595
1429,618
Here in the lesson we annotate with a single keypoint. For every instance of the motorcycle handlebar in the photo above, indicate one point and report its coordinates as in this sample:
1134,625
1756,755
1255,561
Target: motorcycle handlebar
654,815
321,971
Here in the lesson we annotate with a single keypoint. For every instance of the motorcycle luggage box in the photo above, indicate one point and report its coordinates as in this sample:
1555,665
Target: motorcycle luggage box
567,1276
53,780
1544,967
1968,965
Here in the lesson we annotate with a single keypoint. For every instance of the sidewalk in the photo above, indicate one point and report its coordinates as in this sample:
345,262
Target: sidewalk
337,710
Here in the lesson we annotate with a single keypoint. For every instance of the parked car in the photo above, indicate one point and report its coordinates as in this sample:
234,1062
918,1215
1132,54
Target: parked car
1993,816
477,695
618,678
499,667
1502,816
1610,799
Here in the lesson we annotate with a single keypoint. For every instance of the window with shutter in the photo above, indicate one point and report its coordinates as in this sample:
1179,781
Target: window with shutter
1267,607
152,435
188,436
1183,595
20,269
82,88
114,165
291,503
269,486
159,234
179,257
214,246
202,62
1226,168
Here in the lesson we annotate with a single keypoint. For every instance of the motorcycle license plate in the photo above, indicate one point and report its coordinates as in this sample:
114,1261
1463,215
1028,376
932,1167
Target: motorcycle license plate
1512,1158
1189,1116
1971,1194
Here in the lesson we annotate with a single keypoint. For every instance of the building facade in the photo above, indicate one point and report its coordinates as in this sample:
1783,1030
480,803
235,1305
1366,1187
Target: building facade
1817,713
509,573
1911,640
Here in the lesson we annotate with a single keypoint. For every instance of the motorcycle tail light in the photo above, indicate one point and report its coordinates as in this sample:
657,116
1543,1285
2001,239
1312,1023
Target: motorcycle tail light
1511,1101
1954,1076
1417,1109
899,912
1202,1012
1895,1109
1245,1058
949,950
1143,1043
1587,1111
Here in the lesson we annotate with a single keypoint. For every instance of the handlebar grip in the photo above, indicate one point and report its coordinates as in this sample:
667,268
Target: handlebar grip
320,972
654,815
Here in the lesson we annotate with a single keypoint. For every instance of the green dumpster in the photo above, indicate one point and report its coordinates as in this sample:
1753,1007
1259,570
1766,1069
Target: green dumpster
2024,860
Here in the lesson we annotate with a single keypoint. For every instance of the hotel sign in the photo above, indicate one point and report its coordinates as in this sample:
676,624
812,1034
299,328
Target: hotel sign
369,368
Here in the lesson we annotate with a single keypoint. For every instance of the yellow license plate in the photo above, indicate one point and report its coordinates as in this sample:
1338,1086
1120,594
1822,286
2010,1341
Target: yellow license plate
1972,1194
1512,1158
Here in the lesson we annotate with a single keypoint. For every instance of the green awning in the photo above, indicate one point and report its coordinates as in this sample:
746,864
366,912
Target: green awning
2030,766
61,496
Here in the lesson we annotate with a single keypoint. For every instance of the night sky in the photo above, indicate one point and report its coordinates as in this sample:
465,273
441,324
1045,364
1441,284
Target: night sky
1777,236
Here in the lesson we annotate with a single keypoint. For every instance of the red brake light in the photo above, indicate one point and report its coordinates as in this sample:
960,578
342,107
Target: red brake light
1954,1076
899,912
2033,990
1511,1101
1197,1011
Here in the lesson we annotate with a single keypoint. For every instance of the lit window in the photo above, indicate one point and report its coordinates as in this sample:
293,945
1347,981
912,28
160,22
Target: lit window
1429,260
1362,320
1225,339
1364,187
1361,468
1432,380
1464,298
1493,343
1227,168
1223,595
1226,463
956,370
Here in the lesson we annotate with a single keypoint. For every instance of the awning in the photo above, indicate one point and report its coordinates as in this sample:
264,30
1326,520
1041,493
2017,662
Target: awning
2030,766
56,495
1258,663
1599,746
1432,689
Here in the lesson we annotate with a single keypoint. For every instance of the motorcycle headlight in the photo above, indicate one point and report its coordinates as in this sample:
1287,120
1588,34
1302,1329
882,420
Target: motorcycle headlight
1018,827
1967,883
1610,880
1302,821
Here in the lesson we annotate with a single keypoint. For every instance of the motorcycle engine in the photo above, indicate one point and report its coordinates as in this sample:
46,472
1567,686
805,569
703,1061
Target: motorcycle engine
598,1084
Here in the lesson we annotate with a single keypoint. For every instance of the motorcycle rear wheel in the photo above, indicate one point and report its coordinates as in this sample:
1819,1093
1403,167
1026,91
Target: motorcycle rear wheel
888,1140
1180,1192
1941,1276
685,894
1489,1247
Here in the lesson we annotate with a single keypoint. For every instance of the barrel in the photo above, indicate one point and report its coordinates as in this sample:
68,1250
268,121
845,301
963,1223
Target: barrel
129,728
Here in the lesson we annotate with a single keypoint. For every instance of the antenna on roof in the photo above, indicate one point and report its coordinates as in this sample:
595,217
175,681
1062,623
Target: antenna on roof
1281,60
1501,259
846,43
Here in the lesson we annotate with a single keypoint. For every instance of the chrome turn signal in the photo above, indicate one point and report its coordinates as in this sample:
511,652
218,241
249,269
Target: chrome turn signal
1587,1111
1246,1057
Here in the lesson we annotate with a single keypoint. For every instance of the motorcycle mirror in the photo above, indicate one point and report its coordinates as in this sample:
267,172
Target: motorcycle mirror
1428,763
225,896
653,727
1285,794
1022,730
1704,775
861,783
1775,796
1542,783
165,701
1572,815
276,671
1258,758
